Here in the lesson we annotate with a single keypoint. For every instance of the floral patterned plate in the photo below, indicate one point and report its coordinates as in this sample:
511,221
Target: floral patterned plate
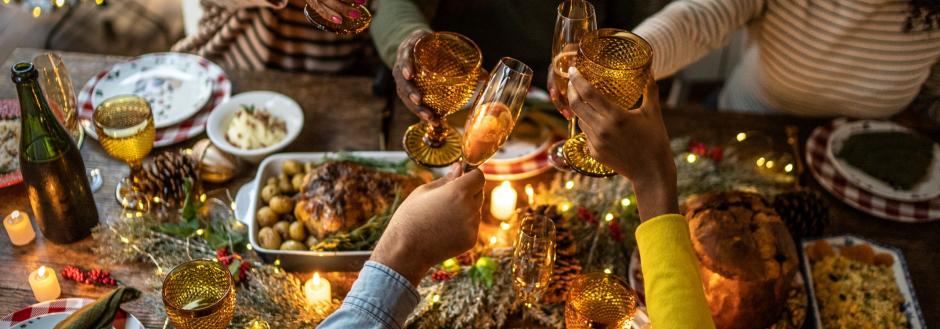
176,85
48,314
10,111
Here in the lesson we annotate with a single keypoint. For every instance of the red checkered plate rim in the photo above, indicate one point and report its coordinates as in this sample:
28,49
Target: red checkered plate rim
827,176
122,320
189,128
9,110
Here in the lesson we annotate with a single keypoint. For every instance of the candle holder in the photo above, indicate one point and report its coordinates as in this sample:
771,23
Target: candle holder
199,294
19,228
599,300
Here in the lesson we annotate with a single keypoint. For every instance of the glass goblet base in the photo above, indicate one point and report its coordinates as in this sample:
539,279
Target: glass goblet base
556,156
425,152
580,160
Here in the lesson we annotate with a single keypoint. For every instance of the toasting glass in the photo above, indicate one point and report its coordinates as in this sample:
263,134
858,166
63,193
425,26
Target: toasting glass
125,129
57,87
447,69
495,112
199,294
575,19
533,258
599,300
349,25
617,64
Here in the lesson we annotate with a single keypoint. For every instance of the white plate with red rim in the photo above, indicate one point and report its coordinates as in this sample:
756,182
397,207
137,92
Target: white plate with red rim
927,189
47,314
175,85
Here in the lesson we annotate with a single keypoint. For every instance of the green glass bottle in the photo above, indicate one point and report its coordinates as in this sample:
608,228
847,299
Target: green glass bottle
52,166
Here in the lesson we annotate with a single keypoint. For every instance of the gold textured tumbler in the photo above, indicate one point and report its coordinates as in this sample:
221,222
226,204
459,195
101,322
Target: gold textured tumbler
199,294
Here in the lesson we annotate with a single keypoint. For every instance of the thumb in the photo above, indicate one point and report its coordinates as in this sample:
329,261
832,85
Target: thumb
651,97
451,175
472,181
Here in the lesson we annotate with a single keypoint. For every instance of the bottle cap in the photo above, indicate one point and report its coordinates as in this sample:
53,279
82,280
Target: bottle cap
23,72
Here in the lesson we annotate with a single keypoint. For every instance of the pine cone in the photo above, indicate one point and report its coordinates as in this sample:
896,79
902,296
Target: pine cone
804,212
567,265
165,176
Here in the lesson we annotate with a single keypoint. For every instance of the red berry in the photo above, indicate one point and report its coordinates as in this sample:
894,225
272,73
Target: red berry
441,275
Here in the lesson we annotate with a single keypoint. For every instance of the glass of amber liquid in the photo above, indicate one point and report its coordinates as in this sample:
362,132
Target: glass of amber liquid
575,19
495,112
124,125
533,259
617,64
447,70
199,294
599,300
319,18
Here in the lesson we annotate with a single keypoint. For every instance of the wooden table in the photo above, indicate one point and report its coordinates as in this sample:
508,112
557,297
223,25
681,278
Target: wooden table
341,114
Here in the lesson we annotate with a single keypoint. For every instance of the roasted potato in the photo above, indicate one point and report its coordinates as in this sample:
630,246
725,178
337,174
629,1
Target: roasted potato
281,204
297,182
311,241
266,217
293,245
283,229
269,239
268,192
297,231
292,167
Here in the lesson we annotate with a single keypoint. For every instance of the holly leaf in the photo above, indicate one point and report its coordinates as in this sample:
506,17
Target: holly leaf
233,269
185,228
190,202
482,274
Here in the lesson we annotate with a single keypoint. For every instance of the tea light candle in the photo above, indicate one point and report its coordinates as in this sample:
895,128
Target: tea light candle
503,201
530,195
45,284
19,228
318,290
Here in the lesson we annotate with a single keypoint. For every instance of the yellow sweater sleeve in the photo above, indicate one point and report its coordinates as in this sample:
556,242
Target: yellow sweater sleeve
674,294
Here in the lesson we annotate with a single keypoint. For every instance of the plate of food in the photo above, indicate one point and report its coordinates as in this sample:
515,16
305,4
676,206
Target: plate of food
46,315
176,85
855,283
325,211
255,124
9,143
886,159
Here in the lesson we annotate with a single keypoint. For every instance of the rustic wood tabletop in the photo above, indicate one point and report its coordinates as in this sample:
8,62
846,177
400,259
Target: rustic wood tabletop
342,114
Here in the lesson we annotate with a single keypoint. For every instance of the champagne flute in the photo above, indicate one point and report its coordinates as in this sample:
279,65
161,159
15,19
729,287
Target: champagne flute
57,87
533,259
126,132
447,69
349,25
575,19
599,300
617,64
496,111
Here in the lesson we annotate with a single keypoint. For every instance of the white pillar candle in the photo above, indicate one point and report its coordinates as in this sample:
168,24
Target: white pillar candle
45,284
19,228
318,290
503,201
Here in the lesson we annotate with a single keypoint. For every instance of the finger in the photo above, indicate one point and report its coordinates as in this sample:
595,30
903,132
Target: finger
405,58
471,181
582,109
651,97
331,9
455,171
587,92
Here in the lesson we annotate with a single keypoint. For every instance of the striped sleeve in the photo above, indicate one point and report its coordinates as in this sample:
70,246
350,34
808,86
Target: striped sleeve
394,21
686,30
239,4
931,91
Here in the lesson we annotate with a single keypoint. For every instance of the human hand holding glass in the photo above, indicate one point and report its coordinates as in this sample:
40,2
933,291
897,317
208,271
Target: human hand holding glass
496,111
575,19
446,73
337,16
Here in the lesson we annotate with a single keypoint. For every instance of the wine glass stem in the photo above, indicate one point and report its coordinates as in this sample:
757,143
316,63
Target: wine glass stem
467,167
136,167
572,126
525,315
436,135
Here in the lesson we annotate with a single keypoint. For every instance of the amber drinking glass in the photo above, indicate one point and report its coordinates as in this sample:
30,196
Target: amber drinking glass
533,258
57,87
495,112
125,129
199,294
447,69
599,300
617,64
575,19
349,25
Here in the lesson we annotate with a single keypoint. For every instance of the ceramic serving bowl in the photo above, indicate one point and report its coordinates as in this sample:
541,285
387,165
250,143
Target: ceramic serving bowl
277,104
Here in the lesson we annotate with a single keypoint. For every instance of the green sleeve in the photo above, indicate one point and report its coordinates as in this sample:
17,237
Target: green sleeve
394,20
675,298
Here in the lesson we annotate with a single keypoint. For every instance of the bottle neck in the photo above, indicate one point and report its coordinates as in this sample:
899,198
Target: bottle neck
41,136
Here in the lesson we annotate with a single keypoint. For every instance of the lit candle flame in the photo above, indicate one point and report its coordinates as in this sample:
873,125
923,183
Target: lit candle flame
530,193
316,278
42,272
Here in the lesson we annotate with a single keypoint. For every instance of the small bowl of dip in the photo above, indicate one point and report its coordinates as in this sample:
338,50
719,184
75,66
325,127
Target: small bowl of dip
255,124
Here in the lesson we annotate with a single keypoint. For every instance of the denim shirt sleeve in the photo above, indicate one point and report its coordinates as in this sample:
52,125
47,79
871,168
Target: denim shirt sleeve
380,298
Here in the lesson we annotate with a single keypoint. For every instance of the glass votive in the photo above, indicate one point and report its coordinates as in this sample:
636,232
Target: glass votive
199,294
599,300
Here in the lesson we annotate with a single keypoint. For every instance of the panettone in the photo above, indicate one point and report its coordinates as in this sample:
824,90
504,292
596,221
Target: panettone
747,257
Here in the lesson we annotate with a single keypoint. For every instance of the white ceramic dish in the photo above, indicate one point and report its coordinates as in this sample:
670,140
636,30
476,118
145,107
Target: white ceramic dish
277,104
305,261
176,85
46,315
928,189
901,276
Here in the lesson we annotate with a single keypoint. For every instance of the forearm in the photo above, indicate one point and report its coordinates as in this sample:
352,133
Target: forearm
394,20
380,298
685,31
674,294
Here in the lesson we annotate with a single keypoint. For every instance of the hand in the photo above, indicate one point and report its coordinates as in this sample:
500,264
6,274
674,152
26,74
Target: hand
439,220
335,10
404,73
554,95
632,142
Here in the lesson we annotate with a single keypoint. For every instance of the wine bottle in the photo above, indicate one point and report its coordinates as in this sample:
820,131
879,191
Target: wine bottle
52,166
